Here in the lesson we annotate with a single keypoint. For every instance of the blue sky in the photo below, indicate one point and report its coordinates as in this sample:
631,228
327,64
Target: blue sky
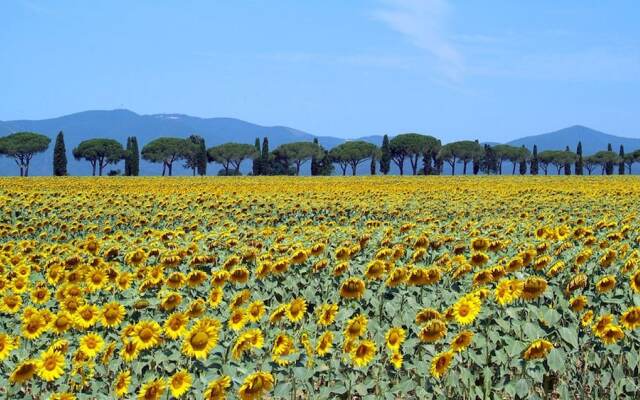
491,69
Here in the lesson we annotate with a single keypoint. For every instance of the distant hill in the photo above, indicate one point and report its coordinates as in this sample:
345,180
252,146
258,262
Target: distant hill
119,124
592,140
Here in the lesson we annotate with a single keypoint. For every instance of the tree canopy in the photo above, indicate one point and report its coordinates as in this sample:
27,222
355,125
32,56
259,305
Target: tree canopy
412,146
463,151
298,153
232,155
99,153
165,150
22,146
353,153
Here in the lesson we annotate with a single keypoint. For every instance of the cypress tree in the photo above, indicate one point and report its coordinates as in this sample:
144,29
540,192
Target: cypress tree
202,159
385,156
476,163
609,165
523,163
621,164
257,162
567,166
265,167
60,156
579,160
373,164
534,168
315,163
132,158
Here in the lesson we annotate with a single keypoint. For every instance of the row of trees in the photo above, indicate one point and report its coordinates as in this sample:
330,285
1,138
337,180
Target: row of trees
287,159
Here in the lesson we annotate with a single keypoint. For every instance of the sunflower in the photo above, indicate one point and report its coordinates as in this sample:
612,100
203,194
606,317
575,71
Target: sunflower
363,352
578,303
24,371
352,288
11,303
611,334
466,309
201,339
296,310
461,341
427,314
180,383
216,389
176,325
397,277
7,345
215,296
533,288
91,344
129,351
440,364
325,343
112,314
635,281
327,314
122,383
33,325
375,270
508,290
586,318
278,313
239,275
238,319
147,334
395,337
152,390
40,295
606,284
433,331
256,385
86,316
630,319
539,349
51,365
253,338
255,311
356,327
601,323
283,346
196,278
170,301
396,359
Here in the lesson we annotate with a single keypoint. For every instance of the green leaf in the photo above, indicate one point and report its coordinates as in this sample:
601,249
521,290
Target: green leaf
570,336
556,360
522,388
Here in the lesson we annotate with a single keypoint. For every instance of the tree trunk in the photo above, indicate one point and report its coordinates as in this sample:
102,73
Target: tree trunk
170,168
164,167
414,164
513,171
464,167
93,166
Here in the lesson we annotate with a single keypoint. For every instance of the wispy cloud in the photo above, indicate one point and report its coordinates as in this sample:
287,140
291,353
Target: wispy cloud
424,23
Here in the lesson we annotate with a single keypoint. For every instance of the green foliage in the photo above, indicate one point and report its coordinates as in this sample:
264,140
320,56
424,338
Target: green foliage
385,156
59,156
411,146
132,157
605,159
99,153
297,153
353,153
256,168
231,155
22,146
195,155
165,150
463,151
534,166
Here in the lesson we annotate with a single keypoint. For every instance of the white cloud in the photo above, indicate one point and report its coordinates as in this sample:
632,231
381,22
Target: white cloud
424,22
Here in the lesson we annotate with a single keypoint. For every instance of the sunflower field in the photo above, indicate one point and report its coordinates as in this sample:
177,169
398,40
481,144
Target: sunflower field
320,288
